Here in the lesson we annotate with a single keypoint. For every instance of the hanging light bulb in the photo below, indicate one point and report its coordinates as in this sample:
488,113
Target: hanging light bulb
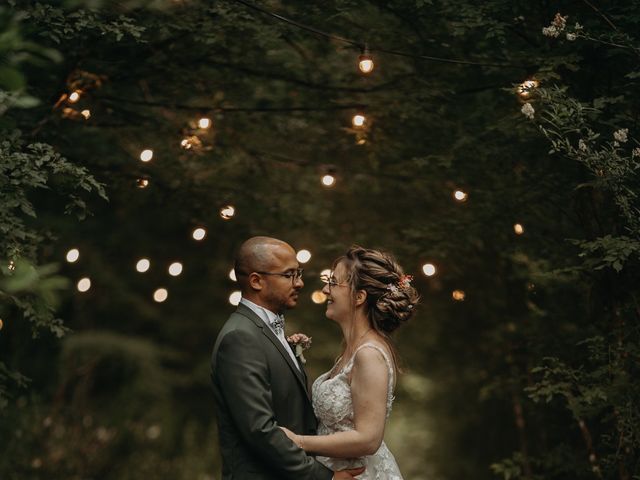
232,275
234,298
142,182
365,62
199,234
303,256
227,212
143,265
84,284
73,255
526,87
160,295
74,96
175,269
318,297
328,180
460,196
429,269
86,114
204,123
518,229
146,155
458,295
358,120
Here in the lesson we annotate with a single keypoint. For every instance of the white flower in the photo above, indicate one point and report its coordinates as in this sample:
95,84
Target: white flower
571,37
528,111
550,31
558,24
635,152
621,135
582,145
577,27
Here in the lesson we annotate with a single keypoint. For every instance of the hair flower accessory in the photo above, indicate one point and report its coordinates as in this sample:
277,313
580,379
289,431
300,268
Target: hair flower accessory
402,284
299,342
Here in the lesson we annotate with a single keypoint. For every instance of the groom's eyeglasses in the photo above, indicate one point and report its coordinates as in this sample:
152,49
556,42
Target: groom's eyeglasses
291,274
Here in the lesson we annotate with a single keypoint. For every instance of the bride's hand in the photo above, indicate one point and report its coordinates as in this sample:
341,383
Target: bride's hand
297,439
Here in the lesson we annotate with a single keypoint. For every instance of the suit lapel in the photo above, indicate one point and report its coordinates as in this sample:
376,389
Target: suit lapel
298,373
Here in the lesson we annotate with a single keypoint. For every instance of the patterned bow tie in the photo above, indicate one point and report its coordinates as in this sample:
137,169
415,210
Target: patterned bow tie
278,324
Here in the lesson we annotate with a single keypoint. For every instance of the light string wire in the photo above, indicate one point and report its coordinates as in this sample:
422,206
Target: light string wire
370,48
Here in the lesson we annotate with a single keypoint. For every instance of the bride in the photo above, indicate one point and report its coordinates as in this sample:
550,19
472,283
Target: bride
368,296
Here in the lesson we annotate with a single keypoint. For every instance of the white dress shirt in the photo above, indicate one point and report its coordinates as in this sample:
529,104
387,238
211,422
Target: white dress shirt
267,316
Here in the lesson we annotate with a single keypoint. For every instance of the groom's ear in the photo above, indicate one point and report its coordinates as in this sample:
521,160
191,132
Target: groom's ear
255,282
361,297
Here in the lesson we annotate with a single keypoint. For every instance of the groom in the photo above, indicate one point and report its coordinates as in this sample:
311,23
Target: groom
257,381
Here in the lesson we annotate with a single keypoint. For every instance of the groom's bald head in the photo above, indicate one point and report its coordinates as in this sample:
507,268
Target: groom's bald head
258,254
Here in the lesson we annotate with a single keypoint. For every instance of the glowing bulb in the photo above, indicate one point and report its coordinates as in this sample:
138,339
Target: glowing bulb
365,63
525,88
175,269
199,233
160,295
460,195
204,123
73,255
146,155
328,180
519,229
318,297
429,269
84,284
458,295
303,256
234,298
143,265
227,212
86,114
358,120
74,97
142,183
232,275
1,324
361,141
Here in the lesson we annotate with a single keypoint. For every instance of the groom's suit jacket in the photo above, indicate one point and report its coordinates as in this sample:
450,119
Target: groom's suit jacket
257,387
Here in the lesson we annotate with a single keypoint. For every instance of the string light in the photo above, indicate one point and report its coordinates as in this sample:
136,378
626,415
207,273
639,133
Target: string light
11,266
75,96
146,155
199,234
232,275
1,324
365,62
204,123
458,295
429,269
73,255
143,265
190,142
227,212
160,295
175,269
303,256
142,182
518,228
234,298
86,114
526,87
318,297
460,196
328,180
84,284
358,120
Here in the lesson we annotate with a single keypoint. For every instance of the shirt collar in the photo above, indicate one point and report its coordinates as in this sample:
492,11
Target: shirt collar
267,316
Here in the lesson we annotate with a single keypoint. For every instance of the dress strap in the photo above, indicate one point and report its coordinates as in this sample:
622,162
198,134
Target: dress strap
384,355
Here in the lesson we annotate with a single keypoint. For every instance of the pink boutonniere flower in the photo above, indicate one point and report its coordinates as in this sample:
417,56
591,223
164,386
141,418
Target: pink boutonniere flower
299,342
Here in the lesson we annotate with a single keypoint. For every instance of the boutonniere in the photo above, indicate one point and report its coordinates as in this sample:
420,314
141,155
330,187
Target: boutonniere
299,343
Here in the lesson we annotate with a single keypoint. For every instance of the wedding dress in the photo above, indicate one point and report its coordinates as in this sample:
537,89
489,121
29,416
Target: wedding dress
334,408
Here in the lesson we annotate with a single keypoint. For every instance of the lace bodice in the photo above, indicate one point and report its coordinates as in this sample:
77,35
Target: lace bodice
333,407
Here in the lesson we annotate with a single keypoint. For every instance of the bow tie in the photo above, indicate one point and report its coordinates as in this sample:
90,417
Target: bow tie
278,324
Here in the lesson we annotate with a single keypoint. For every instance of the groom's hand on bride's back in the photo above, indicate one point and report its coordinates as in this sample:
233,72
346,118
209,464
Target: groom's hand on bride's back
348,474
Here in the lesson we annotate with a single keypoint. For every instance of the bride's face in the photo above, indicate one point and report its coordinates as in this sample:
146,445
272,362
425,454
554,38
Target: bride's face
338,292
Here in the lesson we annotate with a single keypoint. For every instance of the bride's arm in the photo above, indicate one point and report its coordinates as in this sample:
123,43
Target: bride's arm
369,383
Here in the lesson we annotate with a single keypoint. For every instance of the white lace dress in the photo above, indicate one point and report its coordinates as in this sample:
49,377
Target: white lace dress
334,408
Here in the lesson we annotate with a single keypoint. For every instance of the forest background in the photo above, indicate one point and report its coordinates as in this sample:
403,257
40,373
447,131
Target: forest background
521,360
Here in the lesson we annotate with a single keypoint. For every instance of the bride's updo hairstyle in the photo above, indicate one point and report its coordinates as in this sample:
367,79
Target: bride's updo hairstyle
391,299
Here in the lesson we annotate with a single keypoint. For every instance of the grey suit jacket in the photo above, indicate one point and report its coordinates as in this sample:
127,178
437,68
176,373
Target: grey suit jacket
257,388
